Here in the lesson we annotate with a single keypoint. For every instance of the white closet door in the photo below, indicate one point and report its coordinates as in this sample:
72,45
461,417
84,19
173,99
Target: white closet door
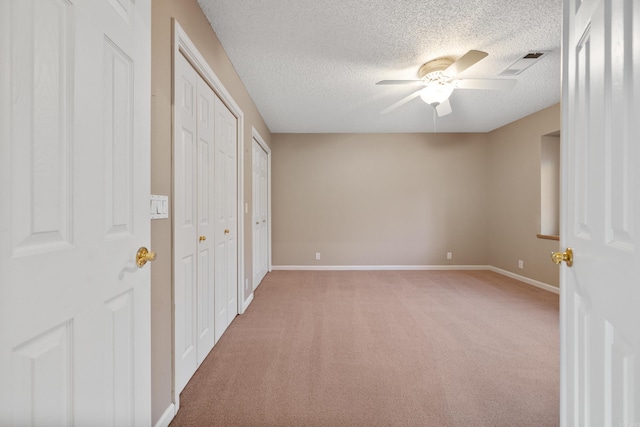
260,214
185,221
226,227
204,242
256,211
264,213
193,220
74,185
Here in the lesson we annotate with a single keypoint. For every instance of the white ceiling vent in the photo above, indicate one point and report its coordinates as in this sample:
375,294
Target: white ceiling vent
523,63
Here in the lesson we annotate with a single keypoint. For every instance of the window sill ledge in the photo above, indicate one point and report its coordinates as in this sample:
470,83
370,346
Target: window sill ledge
548,237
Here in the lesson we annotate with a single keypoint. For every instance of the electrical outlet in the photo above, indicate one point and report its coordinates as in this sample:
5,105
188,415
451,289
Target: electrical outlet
317,256
520,263
449,255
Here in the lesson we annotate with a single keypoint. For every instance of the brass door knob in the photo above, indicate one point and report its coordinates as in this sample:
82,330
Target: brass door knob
203,238
226,231
143,256
566,256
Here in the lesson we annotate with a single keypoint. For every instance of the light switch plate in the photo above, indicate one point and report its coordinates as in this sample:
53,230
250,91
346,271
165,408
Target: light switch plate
159,207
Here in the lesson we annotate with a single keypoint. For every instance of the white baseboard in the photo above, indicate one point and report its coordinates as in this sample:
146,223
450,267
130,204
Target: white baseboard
526,280
247,302
523,279
167,416
380,267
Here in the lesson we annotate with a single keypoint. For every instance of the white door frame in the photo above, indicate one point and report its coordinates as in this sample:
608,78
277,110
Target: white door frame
182,45
256,135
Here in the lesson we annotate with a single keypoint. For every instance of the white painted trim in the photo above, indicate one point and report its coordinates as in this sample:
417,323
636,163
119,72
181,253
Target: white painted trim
182,45
518,277
261,142
256,135
247,302
526,280
379,267
167,416
269,259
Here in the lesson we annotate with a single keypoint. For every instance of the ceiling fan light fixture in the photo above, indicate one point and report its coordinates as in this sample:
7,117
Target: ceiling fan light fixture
437,93
438,78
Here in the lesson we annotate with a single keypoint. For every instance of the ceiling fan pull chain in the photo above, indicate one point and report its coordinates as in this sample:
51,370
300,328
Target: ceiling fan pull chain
434,120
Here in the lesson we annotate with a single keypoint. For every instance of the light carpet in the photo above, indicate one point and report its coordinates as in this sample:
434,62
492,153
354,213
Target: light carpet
383,348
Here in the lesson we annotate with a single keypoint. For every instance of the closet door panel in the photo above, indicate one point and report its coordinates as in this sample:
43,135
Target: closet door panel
185,211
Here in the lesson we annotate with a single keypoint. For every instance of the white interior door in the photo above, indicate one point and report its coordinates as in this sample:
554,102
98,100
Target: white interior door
600,318
226,227
260,214
74,185
193,220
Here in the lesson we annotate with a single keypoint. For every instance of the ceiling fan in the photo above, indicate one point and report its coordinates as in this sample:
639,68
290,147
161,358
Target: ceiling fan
438,80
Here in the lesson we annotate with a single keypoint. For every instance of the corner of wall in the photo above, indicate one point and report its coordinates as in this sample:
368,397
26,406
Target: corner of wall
515,197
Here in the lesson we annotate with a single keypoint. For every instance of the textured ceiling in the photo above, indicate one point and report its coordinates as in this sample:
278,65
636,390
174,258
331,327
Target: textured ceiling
312,65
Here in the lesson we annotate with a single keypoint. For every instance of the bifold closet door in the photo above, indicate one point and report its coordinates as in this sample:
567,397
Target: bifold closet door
226,226
260,214
205,241
193,209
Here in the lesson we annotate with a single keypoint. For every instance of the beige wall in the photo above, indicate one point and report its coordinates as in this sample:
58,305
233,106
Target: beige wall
408,199
380,199
515,197
193,21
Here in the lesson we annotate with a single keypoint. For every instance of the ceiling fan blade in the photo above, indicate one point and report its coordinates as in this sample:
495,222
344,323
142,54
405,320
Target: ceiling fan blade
464,62
488,84
443,108
401,82
401,102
